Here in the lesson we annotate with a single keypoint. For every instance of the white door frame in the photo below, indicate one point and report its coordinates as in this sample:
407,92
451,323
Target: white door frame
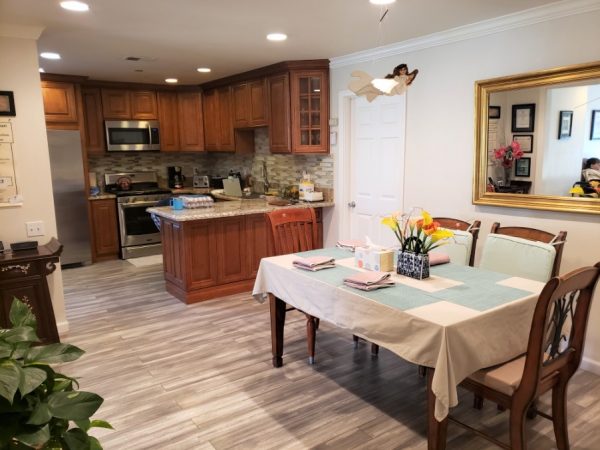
343,165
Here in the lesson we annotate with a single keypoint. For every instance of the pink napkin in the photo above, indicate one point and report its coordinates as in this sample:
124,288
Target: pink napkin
350,244
314,263
368,281
438,258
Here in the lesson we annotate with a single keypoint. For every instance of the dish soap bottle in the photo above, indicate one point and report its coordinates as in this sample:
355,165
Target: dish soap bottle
305,185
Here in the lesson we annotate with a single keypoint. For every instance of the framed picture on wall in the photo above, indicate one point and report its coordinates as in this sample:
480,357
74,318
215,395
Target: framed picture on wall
523,117
525,141
565,124
7,103
523,167
595,126
493,112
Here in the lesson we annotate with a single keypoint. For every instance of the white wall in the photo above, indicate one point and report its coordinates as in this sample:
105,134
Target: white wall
440,130
19,73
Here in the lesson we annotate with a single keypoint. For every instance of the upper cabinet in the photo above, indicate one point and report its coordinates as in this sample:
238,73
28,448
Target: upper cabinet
93,121
310,111
218,123
189,109
125,104
168,121
279,113
60,105
249,104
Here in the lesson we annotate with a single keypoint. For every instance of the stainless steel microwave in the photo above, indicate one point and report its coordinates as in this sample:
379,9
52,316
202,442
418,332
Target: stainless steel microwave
132,135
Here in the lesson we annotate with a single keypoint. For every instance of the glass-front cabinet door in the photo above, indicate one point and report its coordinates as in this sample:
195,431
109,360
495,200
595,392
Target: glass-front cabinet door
310,111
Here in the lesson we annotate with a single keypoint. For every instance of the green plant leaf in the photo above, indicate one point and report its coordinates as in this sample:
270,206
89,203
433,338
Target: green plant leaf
21,315
53,353
6,349
77,439
64,383
20,334
31,378
10,376
84,424
20,349
94,443
74,405
100,424
40,415
35,438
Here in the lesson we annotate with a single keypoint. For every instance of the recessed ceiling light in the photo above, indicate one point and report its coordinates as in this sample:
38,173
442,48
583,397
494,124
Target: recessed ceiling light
171,80
50,55
382,2
276,36
75,6
41,69
203,69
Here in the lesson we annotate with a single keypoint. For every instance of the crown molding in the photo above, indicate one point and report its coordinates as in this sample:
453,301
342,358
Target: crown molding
20,31
520,19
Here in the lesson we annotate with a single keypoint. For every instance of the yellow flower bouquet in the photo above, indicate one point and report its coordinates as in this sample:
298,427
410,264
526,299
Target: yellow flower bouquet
417,235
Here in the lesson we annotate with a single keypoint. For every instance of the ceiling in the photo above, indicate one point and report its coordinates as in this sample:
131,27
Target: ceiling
177,36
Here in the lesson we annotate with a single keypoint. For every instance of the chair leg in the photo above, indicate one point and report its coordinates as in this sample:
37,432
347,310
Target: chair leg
477,401
532,410
559,416
311,338
422,371
517,428
355,338
374,349
317,322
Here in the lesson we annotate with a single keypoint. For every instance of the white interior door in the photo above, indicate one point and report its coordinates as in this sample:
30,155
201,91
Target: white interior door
376,165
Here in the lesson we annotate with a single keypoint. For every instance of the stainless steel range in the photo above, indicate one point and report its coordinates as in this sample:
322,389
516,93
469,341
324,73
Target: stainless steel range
136,191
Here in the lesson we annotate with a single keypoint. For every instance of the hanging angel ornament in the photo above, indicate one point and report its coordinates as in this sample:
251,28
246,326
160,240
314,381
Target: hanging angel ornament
394,83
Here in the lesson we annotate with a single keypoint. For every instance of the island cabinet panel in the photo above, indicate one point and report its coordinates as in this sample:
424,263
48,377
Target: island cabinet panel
143,105
279,113
116,104
60,105
93,121
191,134
200,254
258,240
172,243
168,121
231,249
104,229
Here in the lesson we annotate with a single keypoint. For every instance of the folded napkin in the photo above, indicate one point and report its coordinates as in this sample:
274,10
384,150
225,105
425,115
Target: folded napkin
350,244
368,281
314,263
438,258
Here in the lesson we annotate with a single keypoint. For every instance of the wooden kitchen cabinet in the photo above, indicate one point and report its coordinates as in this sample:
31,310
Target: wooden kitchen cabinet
259,242
279,113
168,121
218,124
23,275
116,104
143,105
309,97
231,259
60,104
191,133
105,231
93,121
249,104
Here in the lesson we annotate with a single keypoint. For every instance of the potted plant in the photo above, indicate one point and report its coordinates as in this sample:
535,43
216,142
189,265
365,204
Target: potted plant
417,234
39,407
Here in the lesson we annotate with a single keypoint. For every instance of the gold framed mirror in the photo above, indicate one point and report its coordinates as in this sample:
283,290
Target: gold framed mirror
551,114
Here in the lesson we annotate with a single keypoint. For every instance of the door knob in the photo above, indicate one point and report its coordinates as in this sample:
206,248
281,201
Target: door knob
352,204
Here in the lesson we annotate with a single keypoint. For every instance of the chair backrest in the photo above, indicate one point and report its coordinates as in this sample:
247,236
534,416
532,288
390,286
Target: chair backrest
558,329
293,229
457,224
533,234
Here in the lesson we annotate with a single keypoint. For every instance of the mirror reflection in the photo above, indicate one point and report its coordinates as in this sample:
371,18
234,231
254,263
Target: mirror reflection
545,140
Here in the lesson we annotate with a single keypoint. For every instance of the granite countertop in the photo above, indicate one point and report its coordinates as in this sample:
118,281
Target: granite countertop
228,209
101,196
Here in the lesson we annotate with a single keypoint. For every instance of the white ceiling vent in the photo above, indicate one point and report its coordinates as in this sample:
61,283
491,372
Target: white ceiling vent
139,58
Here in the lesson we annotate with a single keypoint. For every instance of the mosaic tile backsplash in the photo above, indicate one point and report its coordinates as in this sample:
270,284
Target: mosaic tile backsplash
282,170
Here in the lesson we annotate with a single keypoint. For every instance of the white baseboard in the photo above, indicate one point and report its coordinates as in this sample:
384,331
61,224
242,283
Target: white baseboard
63,327
590,365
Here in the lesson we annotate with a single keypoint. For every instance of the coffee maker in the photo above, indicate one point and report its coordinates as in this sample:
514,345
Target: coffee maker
175,177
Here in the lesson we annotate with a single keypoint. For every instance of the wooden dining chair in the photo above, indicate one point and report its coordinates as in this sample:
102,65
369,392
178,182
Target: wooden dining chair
295,230
533,234
554,352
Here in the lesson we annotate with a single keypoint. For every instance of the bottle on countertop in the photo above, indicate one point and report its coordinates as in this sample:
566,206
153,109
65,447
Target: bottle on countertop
305,185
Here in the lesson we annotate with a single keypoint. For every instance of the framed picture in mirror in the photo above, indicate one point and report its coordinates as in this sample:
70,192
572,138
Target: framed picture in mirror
565,124
494,112
595,125
525,141
523,167
7,103
523,117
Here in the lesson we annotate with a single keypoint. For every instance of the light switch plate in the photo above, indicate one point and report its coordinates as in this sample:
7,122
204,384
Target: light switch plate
35,228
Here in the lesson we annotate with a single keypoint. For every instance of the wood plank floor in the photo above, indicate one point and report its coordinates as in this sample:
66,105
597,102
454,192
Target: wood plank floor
200,377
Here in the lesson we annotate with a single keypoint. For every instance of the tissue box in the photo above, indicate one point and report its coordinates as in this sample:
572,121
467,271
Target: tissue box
380,260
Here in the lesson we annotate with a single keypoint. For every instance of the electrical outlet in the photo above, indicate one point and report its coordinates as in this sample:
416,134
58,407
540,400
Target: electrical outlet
35,228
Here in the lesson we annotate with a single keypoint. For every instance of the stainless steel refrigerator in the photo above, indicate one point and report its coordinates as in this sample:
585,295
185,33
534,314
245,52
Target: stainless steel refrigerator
70,196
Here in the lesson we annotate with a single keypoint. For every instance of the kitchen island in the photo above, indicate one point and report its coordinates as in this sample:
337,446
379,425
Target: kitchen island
216,251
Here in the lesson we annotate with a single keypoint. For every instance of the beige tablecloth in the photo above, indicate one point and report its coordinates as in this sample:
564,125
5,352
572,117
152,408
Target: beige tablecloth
415,319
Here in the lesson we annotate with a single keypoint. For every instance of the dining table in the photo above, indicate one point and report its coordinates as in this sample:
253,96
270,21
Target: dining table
458,320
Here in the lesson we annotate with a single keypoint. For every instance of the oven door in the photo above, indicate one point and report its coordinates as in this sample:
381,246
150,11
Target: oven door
136,226
132,135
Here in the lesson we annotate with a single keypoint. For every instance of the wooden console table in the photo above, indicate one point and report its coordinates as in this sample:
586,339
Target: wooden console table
23,275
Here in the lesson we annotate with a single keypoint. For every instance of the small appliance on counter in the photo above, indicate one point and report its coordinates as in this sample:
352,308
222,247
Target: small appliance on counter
216,181
175,177
200,180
